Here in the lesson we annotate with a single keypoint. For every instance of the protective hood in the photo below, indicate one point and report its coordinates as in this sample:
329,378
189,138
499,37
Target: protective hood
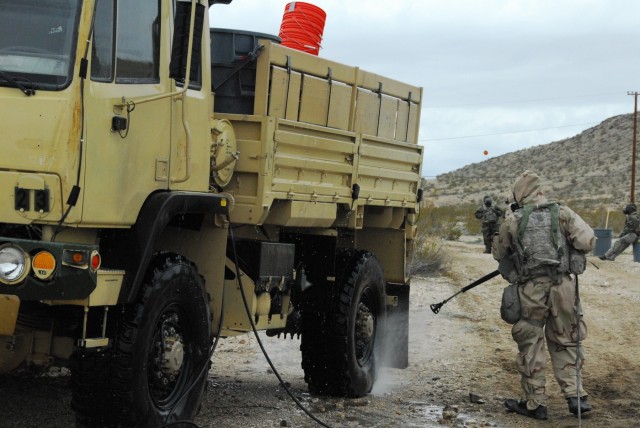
527,189
630,208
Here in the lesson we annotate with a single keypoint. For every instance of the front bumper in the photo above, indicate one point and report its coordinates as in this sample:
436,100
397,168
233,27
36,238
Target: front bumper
67,283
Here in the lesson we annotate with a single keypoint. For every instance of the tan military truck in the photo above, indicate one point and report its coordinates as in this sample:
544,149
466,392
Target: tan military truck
142,220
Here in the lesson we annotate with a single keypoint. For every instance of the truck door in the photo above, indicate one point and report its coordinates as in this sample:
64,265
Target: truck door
127,144
191,113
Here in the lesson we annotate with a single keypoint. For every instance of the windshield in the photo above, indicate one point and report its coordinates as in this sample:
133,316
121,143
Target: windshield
37,41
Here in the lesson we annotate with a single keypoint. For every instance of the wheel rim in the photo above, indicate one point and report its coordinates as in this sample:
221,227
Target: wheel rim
365,328
168,360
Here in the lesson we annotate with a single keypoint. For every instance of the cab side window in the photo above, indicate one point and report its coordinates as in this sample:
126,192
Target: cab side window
103,41
137,55
196,63
138,41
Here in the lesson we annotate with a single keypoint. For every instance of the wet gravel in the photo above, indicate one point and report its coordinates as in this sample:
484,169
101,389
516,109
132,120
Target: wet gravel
461,365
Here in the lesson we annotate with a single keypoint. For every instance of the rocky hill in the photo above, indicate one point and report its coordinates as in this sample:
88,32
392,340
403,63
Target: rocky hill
591,168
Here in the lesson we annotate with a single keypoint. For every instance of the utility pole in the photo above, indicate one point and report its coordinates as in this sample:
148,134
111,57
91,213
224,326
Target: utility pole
633,150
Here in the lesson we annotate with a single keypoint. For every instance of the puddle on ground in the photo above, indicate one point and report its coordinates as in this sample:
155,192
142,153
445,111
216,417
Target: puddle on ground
437,416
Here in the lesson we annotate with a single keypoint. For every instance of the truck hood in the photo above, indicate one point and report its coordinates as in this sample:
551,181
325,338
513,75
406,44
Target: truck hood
40,143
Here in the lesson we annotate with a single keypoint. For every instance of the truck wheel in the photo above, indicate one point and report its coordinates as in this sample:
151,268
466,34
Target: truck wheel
353,329
161,353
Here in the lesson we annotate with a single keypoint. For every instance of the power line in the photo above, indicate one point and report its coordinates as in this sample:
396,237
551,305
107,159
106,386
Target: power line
506,132
519,101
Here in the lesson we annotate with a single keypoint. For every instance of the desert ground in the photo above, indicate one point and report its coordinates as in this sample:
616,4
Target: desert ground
461,364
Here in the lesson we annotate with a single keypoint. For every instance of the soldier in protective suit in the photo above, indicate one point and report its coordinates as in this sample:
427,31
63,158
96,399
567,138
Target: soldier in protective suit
539,238
489,215
629,233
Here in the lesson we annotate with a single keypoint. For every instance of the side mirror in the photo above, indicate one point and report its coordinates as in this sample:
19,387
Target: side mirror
180,49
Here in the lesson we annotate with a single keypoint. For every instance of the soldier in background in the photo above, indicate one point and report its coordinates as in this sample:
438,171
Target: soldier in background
489,215
629,233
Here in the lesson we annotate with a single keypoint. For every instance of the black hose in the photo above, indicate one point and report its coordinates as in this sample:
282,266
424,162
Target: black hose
255,332
204,369
215,343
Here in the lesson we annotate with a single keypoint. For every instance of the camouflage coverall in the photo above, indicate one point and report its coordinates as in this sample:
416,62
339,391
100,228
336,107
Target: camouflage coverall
628,236
489,216
548,307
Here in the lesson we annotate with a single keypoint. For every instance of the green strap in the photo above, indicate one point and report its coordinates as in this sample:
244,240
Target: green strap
555,220
522,225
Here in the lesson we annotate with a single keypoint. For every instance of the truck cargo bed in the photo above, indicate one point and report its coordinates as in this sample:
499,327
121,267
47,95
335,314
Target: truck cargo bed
317,129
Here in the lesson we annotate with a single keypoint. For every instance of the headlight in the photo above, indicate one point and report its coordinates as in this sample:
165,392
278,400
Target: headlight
14,264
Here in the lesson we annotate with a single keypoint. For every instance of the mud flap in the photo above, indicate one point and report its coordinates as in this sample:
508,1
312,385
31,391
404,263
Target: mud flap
396,347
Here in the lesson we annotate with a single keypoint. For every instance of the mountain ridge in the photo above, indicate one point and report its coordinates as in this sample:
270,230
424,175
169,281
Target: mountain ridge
590,168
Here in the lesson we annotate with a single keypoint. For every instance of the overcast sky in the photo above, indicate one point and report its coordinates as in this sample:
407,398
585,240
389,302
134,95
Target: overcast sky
498,75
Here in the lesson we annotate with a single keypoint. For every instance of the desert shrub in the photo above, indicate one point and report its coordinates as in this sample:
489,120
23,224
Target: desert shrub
428,257
596,217
442,221
453,233
450,222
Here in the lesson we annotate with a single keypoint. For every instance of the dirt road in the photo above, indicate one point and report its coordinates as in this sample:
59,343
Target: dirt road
466,349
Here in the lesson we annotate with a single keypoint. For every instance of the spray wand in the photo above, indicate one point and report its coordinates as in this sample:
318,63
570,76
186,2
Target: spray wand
436,306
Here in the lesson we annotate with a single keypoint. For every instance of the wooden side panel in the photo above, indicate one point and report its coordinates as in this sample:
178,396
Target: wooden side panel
278,93
414,123
284,93
388,117
314,102
293,96
403,121
339,106
379,100
367,110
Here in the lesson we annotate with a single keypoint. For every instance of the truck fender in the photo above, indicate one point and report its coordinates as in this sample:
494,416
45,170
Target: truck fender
134,248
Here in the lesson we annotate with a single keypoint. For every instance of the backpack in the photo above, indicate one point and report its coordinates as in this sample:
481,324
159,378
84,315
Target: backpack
540,247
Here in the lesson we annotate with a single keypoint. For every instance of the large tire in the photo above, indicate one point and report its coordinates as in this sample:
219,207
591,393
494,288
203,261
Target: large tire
161,352
340,355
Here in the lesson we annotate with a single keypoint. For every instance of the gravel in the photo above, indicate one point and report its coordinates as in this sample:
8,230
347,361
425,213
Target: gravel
461,365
